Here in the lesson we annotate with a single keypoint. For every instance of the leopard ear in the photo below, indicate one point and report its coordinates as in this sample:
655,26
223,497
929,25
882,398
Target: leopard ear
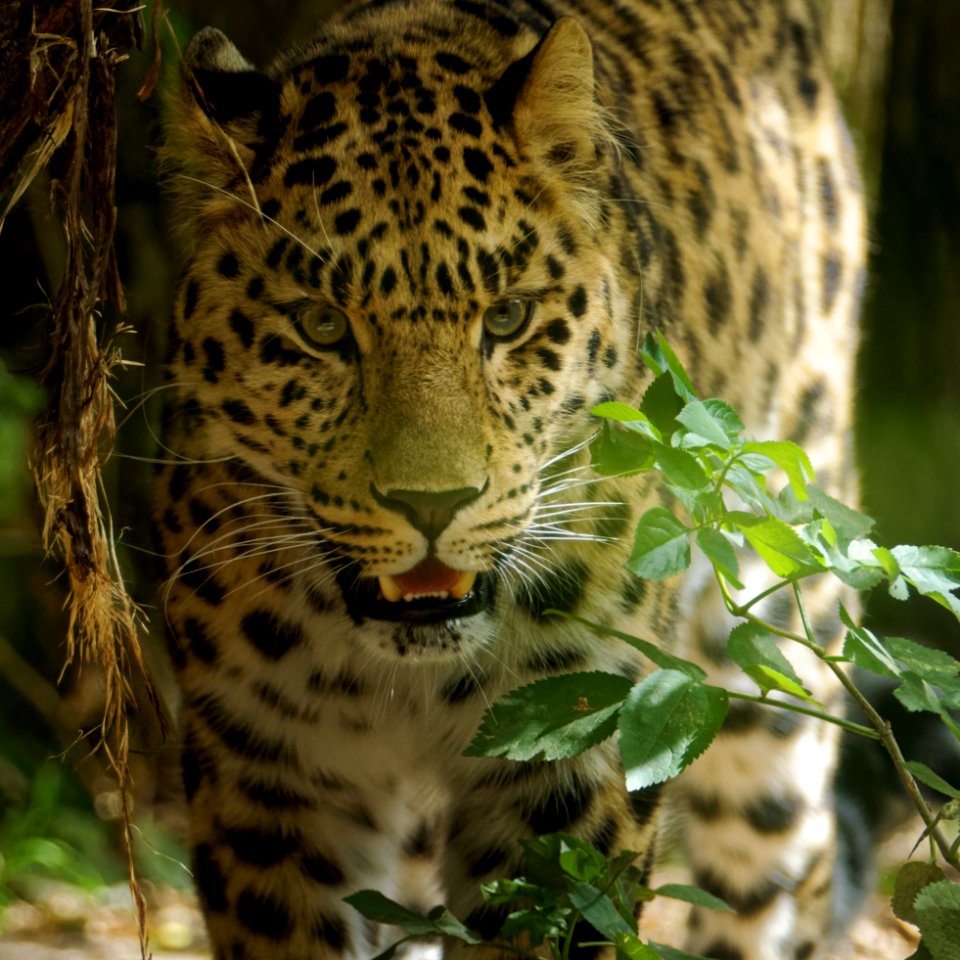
547,99
226,109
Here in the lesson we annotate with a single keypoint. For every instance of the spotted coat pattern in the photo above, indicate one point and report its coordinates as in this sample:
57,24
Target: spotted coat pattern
342,407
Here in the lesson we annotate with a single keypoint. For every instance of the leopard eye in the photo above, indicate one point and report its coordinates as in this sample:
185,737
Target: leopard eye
321,326
507,318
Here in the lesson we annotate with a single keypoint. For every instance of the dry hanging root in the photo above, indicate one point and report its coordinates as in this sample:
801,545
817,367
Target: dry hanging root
65,73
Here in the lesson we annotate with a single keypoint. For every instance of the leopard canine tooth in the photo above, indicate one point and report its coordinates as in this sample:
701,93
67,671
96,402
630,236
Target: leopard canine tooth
390,590
463,585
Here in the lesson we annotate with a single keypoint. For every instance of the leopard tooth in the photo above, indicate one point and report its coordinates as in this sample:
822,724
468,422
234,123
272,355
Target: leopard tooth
390,590
463,585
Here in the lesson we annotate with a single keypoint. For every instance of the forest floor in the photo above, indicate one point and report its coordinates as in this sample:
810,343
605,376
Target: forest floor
68,929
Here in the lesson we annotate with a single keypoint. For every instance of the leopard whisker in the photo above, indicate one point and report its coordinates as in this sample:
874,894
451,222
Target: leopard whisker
250,206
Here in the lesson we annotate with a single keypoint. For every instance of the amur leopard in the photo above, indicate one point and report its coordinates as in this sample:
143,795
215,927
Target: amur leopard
424,245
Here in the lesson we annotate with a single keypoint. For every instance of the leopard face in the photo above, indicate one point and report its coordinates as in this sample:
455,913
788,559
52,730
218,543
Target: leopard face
401,315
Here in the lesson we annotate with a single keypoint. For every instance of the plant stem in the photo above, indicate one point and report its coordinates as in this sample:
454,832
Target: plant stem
890,744
744,612
753,601
886,737
857,728
881,731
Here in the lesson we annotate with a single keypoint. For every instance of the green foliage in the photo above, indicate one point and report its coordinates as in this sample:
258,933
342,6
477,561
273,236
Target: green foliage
55,840
567,893
667,719
50,838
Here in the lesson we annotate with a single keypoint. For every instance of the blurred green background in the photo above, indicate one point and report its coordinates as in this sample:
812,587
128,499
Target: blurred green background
899,73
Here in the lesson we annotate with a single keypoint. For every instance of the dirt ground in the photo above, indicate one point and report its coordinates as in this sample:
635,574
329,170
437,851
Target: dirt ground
74,930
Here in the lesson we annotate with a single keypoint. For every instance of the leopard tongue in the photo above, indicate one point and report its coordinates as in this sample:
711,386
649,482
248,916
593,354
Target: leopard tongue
429,578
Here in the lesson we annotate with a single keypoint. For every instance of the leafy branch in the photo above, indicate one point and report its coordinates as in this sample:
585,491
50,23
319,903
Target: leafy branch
670,717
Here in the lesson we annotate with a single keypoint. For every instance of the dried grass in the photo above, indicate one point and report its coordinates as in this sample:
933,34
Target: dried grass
73,58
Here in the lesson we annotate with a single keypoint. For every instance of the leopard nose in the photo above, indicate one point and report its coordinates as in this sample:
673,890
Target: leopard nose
429,511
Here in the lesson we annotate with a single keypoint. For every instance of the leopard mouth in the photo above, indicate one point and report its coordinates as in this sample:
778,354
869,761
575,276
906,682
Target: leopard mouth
431,592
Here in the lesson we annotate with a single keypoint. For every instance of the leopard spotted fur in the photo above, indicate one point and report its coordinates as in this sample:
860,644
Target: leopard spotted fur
424,245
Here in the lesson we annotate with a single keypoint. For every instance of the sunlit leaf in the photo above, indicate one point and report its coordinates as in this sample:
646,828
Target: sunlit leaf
713,423
720,552
934,571
661,546
552,718
792,459
669,719
779,546
850,524
937,907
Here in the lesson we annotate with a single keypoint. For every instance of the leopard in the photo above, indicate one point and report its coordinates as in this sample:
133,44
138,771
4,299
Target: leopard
422,247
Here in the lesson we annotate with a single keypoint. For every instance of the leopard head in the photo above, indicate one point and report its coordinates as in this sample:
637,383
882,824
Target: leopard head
402,301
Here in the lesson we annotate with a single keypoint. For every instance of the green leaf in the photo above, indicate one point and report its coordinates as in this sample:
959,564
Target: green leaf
669,719
660,358
375,906
768,679
865,650
447,925
581,861
792,459
937,666
898,588
757,653
553,718
726,416
850,524
925,775
614,410
694,895
937,907
661,546
712,421
750,645
650,650
934,571
631,947
751,490
629,417
680,468
615,451
912,877
672,953
791,510
852,570
779,546
917,695
599,910
662,404
502,892
719,551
